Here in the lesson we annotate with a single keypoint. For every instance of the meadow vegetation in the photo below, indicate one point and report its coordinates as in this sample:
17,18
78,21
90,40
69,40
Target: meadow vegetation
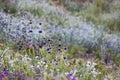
60,40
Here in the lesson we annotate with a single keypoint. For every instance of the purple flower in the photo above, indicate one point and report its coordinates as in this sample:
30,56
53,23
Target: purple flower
65,48
108,58
29,78
70,74
59,49
20,75
30,31
49,40
59,45
79,53
2,76
40,31
43,78
30,22
5,72
20,46
73,78
49,52
38,71
1,41
87,56
64,57
59,39
24,29
44,43
40,46
102,53
48,49
40,23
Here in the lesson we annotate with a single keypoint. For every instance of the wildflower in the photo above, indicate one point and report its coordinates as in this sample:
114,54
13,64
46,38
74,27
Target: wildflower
30,22
2,76
70,74
44,43
30,31
40,46
49,52
20,75
5,73
73,78
1,41
40,23
93,65
87,56
65,48
59,49
108,58
59,45
59,39
38,66
45,61
49,40
46,66
88,64
48,49
40,31
43,78
79,53
24,29
64,57
37,70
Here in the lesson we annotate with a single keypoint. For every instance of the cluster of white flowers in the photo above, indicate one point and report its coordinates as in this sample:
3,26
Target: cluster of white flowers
91,66
26,58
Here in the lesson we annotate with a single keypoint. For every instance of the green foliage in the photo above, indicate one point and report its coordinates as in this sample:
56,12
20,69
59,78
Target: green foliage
101,6
73,50
8,8
115,59
73,6
98,11
35,10
112,24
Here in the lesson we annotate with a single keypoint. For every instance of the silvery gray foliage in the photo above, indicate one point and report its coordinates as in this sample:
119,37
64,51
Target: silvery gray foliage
112,42
86,35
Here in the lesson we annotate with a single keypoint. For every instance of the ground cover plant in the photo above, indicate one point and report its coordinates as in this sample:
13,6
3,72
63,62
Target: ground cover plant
44,41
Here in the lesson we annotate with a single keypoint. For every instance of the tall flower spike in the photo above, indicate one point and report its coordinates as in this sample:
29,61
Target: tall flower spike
108,58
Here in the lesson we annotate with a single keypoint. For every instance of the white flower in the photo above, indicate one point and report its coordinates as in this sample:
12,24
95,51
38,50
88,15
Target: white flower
36,57
58,69
11,62
66,73
46,66
38,66
43,62
74,72
39,63
51,70
88,64
93,65
31,66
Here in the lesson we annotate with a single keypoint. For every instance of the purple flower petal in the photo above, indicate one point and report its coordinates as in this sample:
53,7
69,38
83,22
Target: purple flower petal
73,78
